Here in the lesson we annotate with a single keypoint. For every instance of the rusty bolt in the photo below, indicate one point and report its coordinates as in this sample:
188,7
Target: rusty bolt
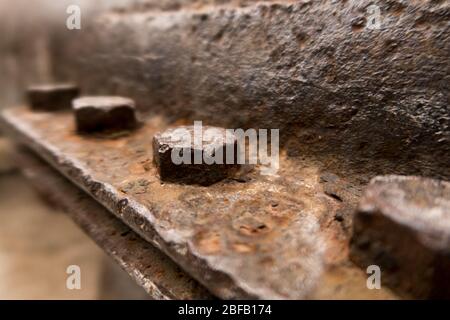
51,97
403,226
104,114
200,158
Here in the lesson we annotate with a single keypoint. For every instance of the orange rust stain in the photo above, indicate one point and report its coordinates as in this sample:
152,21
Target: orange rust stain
209,243
242,248
136,168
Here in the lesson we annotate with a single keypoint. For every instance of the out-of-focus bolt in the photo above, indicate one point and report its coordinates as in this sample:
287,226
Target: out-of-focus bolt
52,97
104,114
184,155
403,226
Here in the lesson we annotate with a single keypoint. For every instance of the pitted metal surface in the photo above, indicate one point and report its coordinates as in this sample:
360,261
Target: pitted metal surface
202,160
253,236
351,102
160,277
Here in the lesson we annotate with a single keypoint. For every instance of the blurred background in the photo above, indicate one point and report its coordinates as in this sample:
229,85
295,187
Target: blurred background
37,241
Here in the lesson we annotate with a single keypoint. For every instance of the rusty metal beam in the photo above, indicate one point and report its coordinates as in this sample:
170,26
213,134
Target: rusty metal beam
356,97
255,237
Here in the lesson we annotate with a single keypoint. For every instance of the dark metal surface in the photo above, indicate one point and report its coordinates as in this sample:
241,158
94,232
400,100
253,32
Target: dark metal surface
104,114
403,226
372,100
351,102
181,141
279,236
160,277
52,97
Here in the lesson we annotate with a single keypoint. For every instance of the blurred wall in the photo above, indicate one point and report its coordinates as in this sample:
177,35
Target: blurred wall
26,27
24,42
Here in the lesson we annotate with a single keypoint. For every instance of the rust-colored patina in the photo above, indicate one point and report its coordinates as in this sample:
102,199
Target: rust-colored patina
160,277
253,236
192,168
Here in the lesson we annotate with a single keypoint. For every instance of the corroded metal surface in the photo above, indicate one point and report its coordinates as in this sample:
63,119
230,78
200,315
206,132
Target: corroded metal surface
358,98
403,225
349,101
104,114
151,269
52,97
201,162
283,236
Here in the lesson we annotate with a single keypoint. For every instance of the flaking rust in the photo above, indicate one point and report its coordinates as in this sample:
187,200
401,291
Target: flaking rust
179,159
256,237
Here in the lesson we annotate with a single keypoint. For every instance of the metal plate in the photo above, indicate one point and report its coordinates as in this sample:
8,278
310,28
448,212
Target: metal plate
160,277
269,237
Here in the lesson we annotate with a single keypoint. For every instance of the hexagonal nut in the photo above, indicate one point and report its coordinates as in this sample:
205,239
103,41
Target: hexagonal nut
52,97
403,226
104,114
181,157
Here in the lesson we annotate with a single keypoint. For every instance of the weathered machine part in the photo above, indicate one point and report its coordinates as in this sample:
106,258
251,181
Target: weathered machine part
148,266
403,226
202,162
52,97
357,98
267,237
104,114
351,102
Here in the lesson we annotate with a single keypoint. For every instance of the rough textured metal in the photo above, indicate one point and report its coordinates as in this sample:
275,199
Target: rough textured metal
104,114
52,97
250,237
360,99
151,269
403,225
204,161
350,102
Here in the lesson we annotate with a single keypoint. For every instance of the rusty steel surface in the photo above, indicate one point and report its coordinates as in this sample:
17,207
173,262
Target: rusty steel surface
403,226
358,98
52,97
178,141
351,102
100,114
160,277
283,236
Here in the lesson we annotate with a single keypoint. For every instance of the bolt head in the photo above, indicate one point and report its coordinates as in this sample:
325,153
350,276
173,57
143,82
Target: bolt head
52,97
401,224
104,114
212,149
